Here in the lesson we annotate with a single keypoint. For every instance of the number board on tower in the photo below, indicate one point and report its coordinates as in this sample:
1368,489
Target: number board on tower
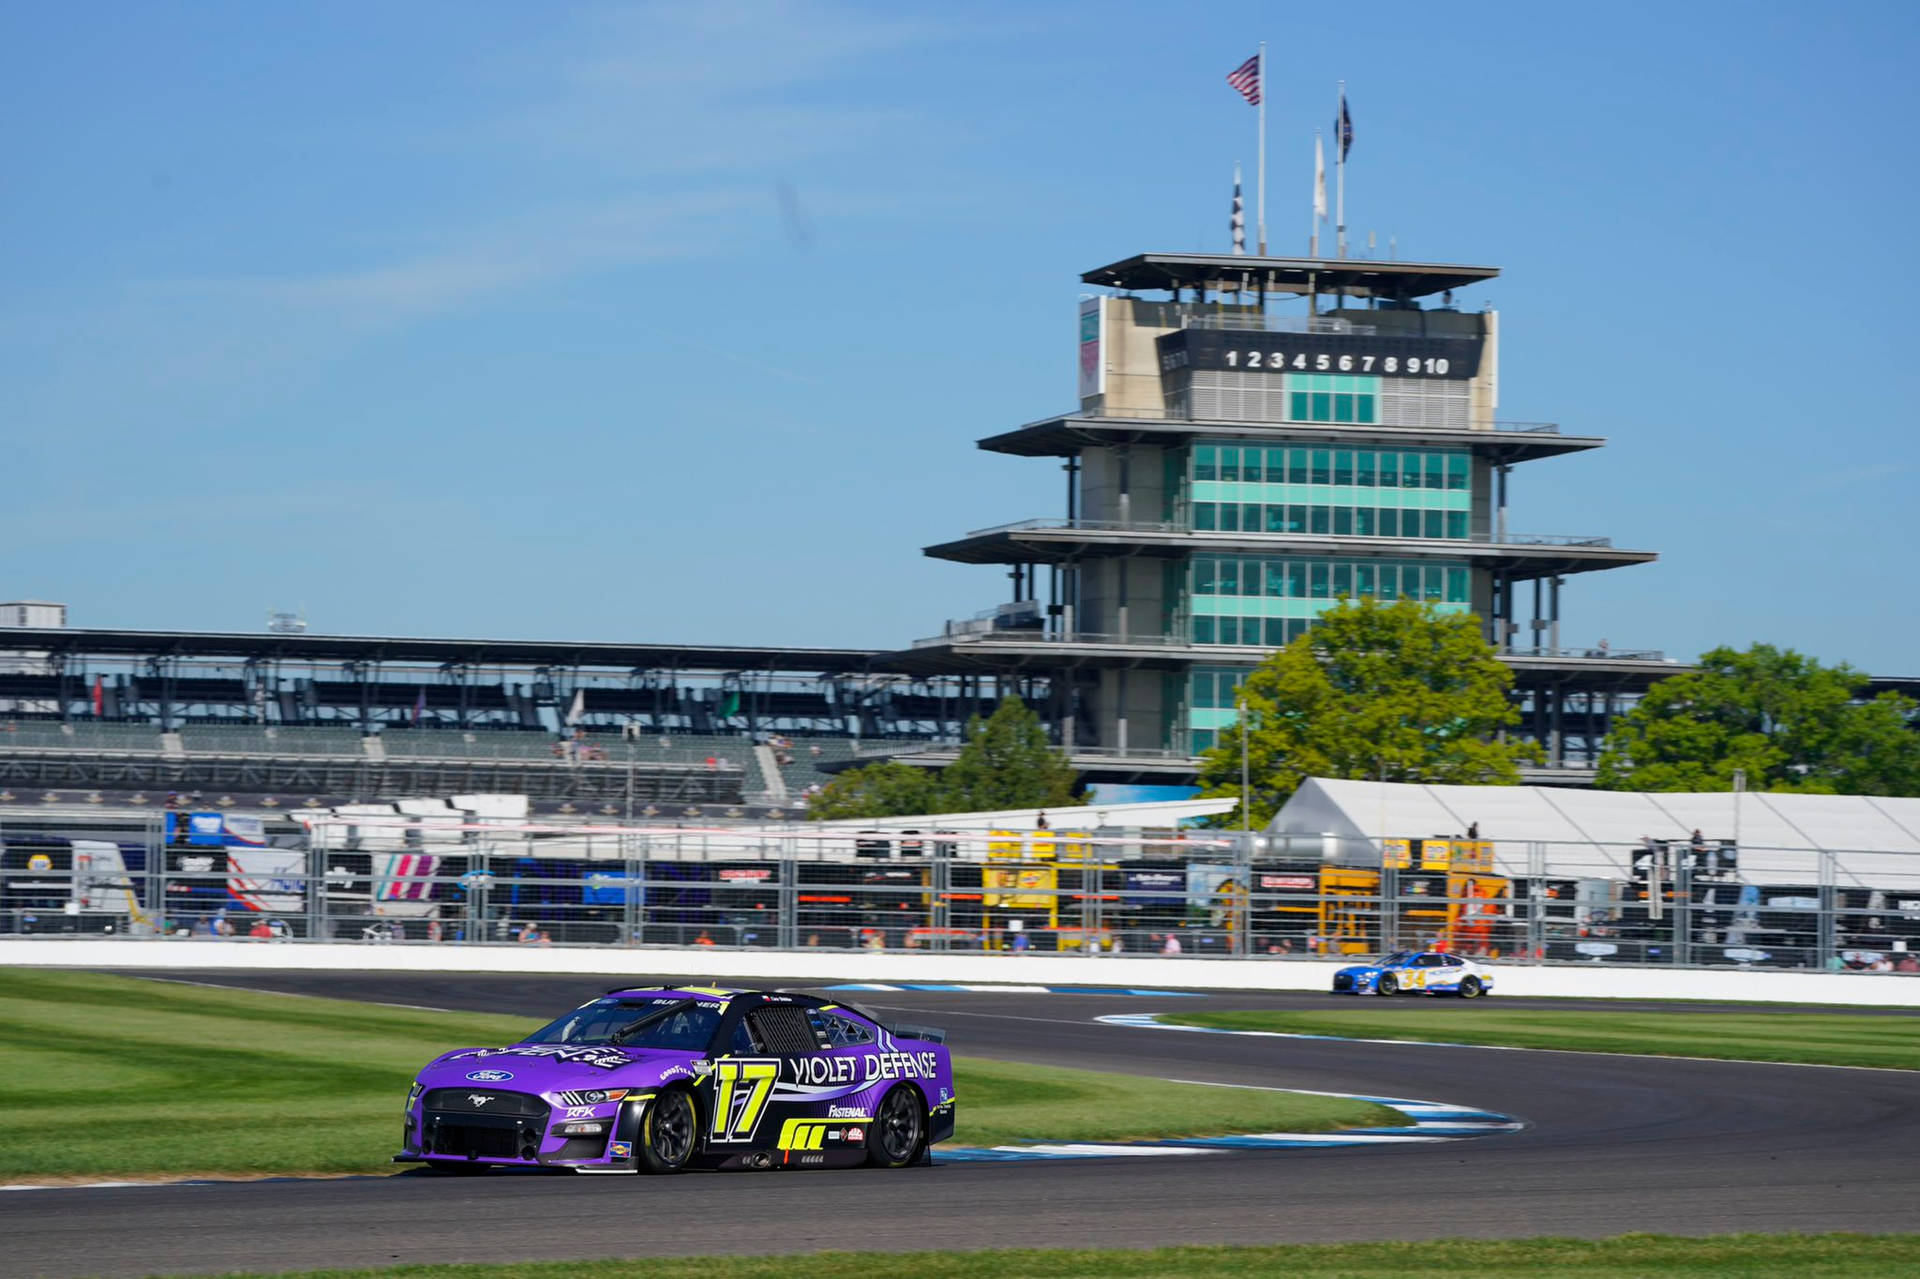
1455,359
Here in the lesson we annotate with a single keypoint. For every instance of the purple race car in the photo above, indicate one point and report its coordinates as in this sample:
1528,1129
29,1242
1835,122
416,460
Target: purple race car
657,1079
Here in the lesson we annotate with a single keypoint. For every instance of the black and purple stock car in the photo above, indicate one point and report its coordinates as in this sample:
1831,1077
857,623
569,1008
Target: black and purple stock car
657,1079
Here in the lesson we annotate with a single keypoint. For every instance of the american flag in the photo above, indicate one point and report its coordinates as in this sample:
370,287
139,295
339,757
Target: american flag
1239,220
1246,78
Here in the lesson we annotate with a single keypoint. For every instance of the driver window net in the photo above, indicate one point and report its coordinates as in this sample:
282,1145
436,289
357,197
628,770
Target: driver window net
783,1029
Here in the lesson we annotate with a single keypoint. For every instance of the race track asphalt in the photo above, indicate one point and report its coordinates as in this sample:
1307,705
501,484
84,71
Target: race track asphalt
1614,1144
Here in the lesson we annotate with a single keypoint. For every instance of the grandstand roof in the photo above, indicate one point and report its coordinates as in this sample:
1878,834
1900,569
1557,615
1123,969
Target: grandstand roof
473,652
1358,276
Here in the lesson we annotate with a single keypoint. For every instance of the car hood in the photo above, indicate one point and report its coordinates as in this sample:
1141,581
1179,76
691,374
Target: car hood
543,1068
1363,968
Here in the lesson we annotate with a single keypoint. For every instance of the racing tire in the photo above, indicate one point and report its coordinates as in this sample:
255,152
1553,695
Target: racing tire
897,1136
1386,984
1470,988
669,1132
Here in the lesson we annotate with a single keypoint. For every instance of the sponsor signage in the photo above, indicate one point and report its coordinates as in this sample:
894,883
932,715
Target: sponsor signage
1352,354
1093,364
1288,883
1156,887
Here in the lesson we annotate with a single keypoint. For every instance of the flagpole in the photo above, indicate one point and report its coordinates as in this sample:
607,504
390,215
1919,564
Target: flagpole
1340,171
1263,147
1313,204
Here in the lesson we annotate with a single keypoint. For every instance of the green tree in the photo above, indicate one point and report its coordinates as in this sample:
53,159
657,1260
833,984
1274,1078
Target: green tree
1788,722
1396,692
886,789
1007,762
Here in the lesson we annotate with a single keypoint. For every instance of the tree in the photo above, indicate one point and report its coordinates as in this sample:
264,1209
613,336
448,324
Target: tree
1005,762
1785,720
1398,692
885,789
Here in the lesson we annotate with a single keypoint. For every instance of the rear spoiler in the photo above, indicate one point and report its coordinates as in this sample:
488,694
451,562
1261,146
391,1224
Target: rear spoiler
906,1030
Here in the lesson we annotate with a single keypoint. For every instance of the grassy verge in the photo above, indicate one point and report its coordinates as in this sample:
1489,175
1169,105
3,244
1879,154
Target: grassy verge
114,1076
1628,1257
1813,1038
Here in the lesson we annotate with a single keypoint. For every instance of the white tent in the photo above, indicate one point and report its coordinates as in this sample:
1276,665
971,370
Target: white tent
1873,841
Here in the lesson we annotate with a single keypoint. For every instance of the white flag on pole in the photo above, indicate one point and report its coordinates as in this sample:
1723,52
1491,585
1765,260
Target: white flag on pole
579,706
1319,179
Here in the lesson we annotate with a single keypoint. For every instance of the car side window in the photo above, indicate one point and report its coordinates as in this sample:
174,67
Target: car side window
835,1031
743,1039
1432,961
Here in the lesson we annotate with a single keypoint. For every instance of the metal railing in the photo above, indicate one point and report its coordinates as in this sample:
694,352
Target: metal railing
1196,893
1102,413
1167,527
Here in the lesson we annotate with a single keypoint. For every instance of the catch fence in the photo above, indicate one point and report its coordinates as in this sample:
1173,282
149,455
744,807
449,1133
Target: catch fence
1194,893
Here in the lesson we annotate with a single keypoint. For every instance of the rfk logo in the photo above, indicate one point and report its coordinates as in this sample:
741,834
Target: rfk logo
479,1098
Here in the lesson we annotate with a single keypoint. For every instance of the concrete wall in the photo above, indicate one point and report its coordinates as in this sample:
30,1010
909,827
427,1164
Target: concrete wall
1888,990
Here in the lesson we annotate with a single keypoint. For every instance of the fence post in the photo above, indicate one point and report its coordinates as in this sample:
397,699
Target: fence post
316,879
1828,922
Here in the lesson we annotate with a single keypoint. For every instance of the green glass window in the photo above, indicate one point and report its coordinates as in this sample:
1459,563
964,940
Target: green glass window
1229,513
1363,469
1276,466
1296,466
1229,464
1389,522
1389,581
1203,517
1389,470
1457,586
1203,629
1343,579
1206,462
1317,518
1363,409
1363,579
1318,579
1299,410
1343,521
1343,466
1457,472
1456,523
1365,521
1322,472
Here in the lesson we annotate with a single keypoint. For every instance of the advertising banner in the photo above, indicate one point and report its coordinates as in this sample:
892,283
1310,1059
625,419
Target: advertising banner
1093,364
269,880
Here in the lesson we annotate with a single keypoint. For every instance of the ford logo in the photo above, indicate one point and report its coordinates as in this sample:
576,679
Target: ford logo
490,1076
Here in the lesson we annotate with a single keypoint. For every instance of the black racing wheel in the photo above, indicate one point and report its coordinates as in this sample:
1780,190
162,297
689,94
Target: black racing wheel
668,1132
898,1134
1387,984
1470,988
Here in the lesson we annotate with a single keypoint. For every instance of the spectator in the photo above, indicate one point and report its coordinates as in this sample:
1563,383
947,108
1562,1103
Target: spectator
435,930
713,764
1021,942
1473,831
704,939
1172,946
529,934
261,930
814,750
1906,964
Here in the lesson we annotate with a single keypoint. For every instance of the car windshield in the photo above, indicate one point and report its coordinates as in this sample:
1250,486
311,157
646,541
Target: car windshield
1397,957
660,1022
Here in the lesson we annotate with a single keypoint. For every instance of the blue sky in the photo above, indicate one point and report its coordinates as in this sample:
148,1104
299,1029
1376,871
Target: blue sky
678,322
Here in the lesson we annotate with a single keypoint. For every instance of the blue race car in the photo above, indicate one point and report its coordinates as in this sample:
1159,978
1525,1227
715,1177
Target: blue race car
1431,972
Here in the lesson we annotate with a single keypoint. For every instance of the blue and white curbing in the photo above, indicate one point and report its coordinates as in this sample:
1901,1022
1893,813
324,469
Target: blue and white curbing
1431,1121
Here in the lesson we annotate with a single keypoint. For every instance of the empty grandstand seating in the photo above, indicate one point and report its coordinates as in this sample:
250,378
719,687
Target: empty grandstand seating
257,739
440,743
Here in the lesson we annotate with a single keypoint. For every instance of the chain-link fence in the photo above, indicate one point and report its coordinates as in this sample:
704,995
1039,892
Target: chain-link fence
1108,891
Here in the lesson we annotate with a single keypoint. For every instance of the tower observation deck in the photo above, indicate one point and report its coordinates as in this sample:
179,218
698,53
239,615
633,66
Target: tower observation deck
1257,437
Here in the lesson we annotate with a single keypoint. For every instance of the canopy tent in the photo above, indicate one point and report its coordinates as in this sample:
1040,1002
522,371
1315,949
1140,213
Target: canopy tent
1873,840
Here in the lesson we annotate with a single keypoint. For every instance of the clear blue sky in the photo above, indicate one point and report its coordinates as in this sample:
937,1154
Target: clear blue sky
480,318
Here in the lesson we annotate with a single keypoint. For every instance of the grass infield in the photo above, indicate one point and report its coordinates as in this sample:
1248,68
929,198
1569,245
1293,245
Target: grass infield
1824,1039
115,1076
1627,1257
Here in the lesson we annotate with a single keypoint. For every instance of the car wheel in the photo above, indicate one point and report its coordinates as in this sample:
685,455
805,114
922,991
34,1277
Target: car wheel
668,1132
1469,988
1386,984
898,1133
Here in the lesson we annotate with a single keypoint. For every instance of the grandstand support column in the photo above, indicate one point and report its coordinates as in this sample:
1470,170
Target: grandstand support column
1553,613
1120,705
1558,693
1536,624
1500,473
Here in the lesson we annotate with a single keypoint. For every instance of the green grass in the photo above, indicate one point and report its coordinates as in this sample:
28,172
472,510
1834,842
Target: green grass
1627,1257
1828,1039
114,1076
